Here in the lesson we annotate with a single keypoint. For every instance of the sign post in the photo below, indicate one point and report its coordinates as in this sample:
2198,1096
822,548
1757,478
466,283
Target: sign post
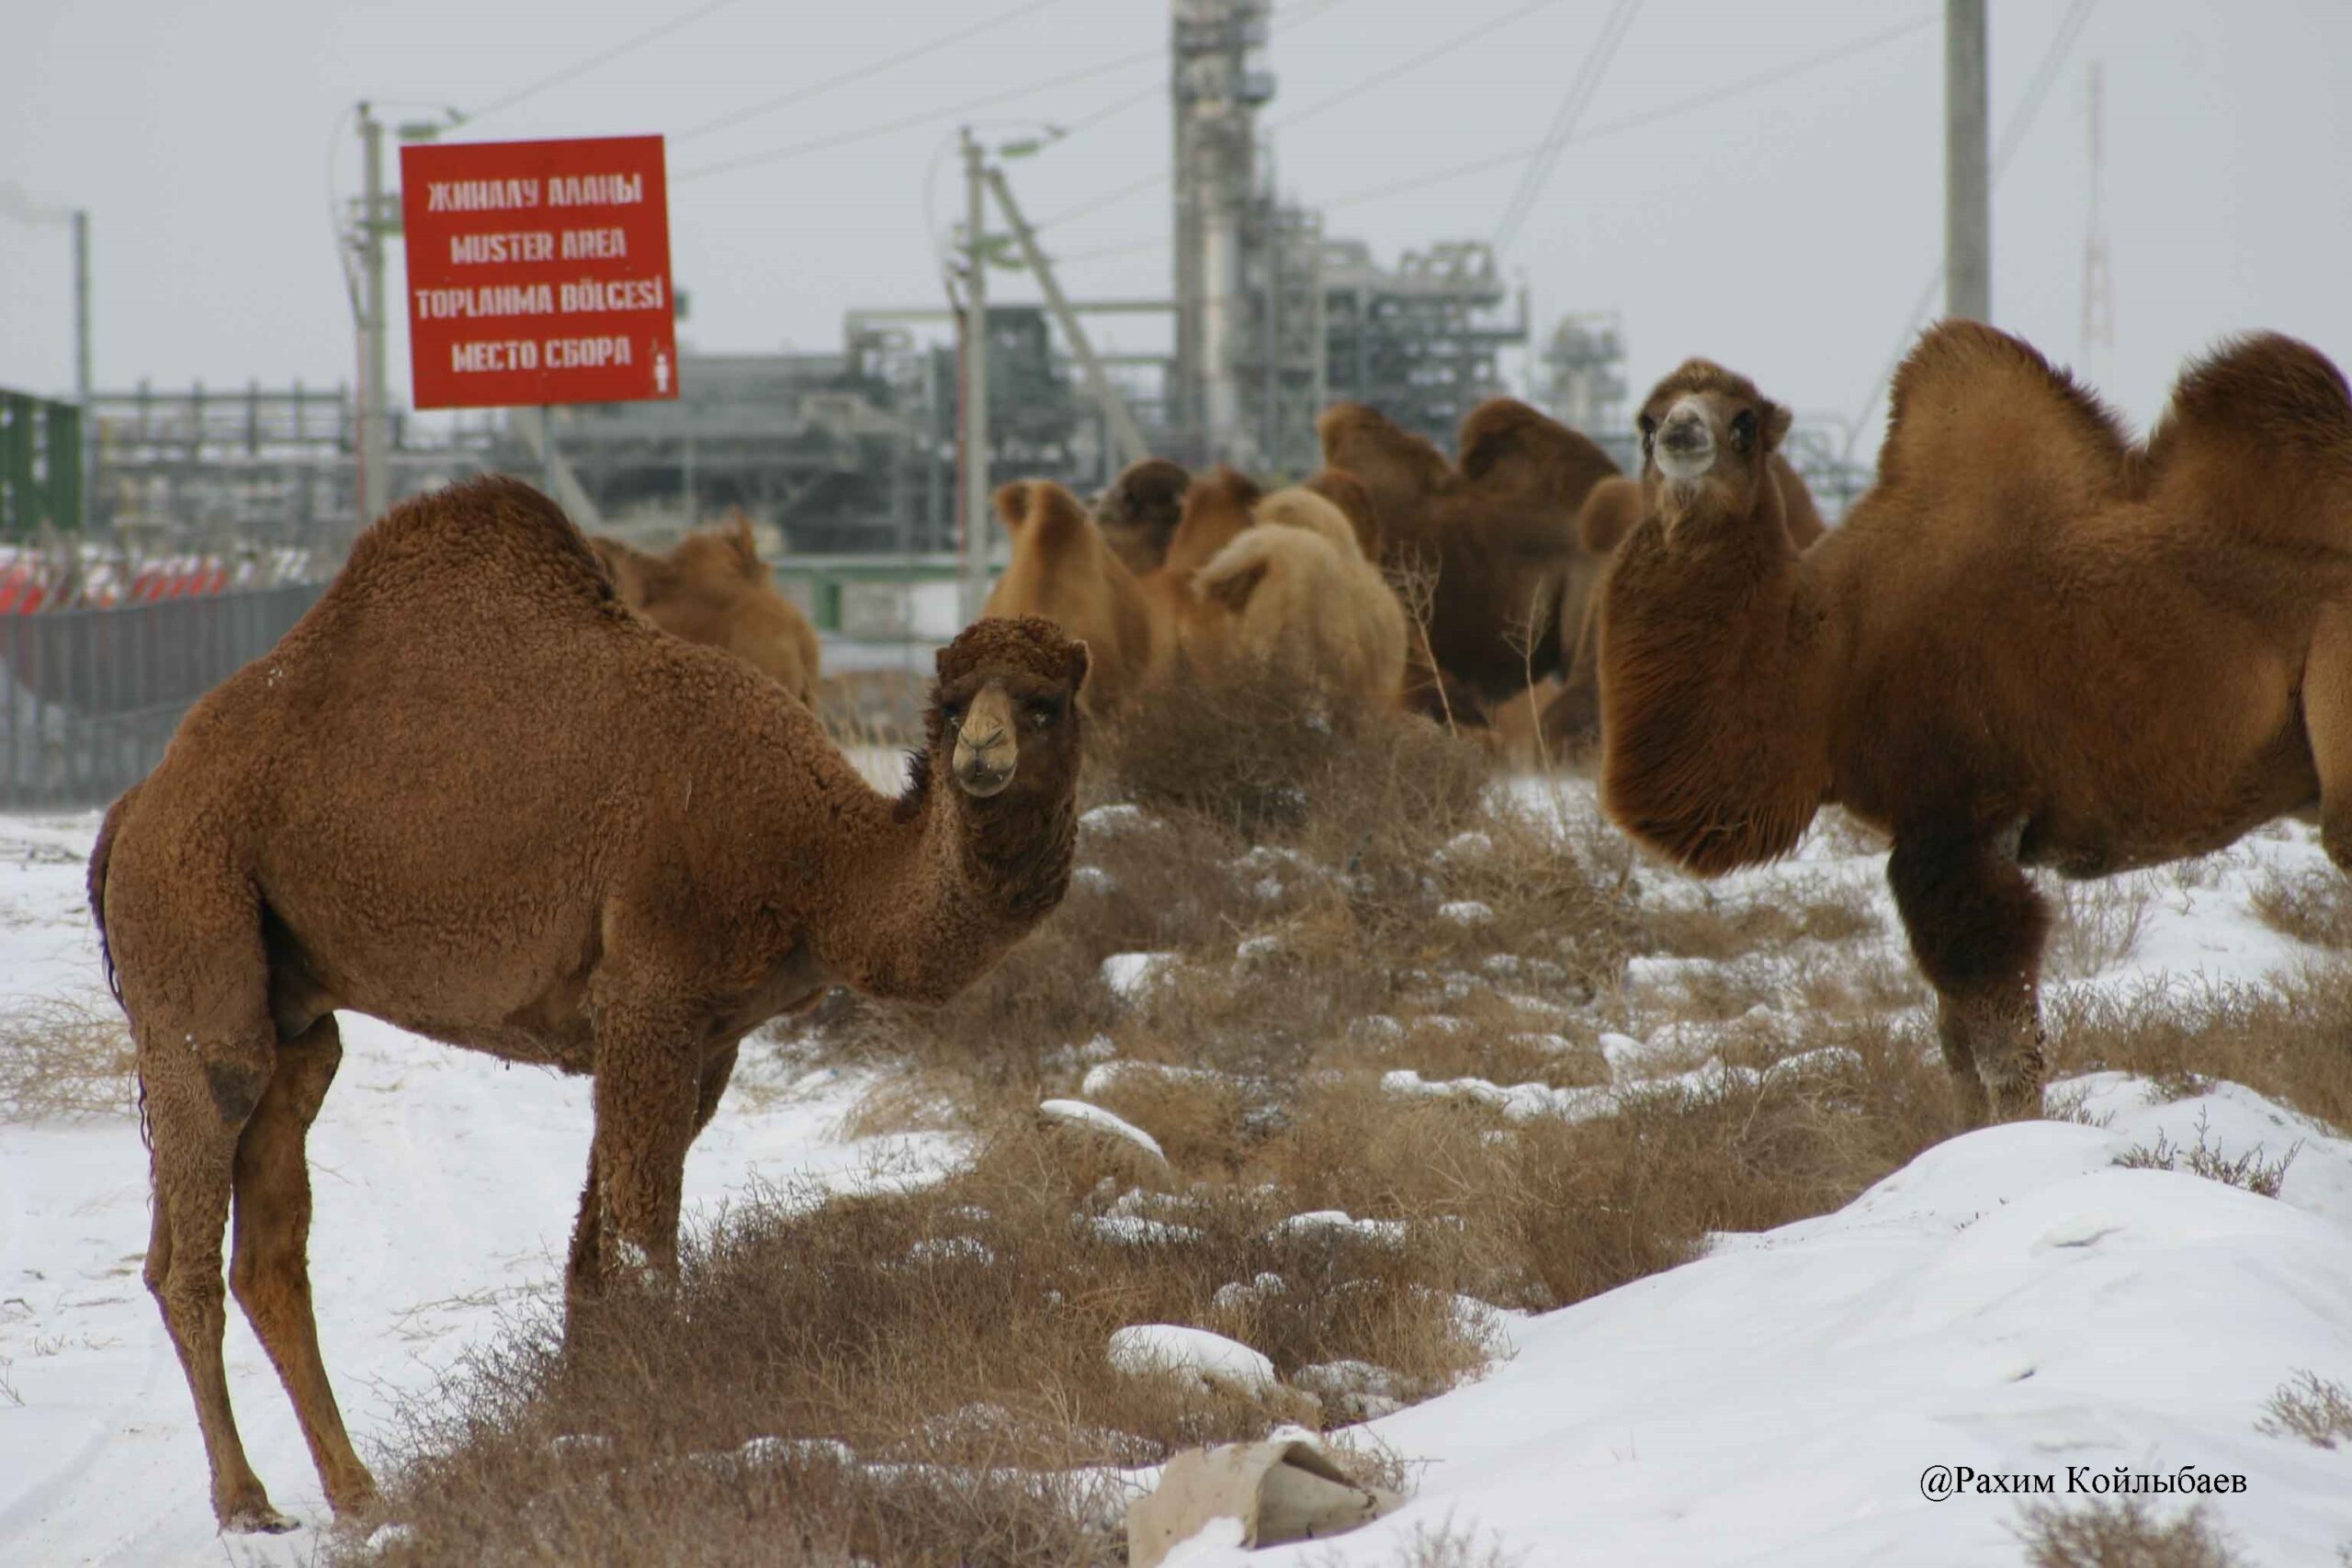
538,272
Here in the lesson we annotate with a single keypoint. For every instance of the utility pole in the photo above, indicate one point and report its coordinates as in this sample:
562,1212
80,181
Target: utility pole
2098,288
82,347
1125,436
972,435
374,399
1968,202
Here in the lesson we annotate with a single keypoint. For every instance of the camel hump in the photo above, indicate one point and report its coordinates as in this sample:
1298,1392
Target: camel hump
1298,507
1361,440
1233,578
2265,388
1612,510
746,548
489,534
1353,498
1506,443
1966,389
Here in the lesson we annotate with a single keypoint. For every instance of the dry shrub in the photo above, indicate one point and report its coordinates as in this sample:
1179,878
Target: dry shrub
65,1058
2121,1534
2283,1039
1824,910
2317,1410
2248,1173
2312,906
2098,926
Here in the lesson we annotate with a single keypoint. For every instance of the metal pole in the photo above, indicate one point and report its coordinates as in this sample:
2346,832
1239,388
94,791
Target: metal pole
972,574
375,415
1968,204
1125,434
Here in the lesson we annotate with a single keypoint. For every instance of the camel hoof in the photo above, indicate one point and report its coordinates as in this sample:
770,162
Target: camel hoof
255,1518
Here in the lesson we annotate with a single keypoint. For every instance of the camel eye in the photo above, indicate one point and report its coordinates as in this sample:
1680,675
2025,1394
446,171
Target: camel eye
953,713
1743,426
1042,714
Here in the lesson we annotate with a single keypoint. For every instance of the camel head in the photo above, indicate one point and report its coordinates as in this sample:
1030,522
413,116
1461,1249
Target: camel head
1140,510
1709,434
1006,708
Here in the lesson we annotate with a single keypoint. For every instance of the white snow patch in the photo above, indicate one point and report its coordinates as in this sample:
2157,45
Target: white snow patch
1078,1114
1130,975
1466,912
1168,1349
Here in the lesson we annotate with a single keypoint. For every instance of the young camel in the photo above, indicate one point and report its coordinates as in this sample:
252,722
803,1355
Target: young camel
473,795
1219,507
1496,527
1140,511
713,588
1571,716
1064,571
2033,644
1301,595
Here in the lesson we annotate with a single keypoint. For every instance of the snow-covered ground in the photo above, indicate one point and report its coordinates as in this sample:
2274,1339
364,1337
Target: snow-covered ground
446,1184
2013,1301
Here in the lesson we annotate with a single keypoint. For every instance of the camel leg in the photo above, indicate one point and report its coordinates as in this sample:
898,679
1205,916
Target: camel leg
268,1266
201,1086
581,1275
1977,926
649,1091
2327,720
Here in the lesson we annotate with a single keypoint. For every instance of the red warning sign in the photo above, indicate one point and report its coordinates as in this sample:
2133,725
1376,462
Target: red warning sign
538,272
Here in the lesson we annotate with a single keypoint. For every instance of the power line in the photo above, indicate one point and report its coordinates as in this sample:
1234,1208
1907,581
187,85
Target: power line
1739,87
571,71
859,73
1573,104
928,117
2037,90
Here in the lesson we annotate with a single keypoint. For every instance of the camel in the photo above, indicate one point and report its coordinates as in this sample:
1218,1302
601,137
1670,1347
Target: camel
2033,643
471,795
1571,718
1496,527
1301,595
713,589
1064,571
1218,507
1140,510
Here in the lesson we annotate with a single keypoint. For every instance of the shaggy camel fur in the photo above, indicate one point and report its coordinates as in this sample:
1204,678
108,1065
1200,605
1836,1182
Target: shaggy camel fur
2034,643
1571,720
1218,507
713,589
1496,527
473,795
1301,595
1139,513
1064,573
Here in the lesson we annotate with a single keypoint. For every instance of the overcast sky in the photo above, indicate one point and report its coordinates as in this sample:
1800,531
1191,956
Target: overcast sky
1786,232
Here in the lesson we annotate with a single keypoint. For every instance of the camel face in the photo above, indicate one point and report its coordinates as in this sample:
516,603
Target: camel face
1706,428
1010,721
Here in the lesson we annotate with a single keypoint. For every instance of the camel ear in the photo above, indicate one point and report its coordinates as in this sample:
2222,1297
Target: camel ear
1776,425
1081,663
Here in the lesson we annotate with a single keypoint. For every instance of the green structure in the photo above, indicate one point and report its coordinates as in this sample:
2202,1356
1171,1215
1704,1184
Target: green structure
41,465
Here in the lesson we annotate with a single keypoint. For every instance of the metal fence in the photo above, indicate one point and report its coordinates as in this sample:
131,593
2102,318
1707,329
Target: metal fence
92,696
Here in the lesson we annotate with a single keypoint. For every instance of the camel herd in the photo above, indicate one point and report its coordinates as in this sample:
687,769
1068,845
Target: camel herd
569,804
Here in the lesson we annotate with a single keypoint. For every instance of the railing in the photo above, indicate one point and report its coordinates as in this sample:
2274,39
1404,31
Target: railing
89,698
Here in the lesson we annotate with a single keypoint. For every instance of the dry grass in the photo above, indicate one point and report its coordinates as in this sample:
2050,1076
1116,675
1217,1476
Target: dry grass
2315,1409
66,1058
2249,1172
2098,925
2283,1039
2121,1534
2314,907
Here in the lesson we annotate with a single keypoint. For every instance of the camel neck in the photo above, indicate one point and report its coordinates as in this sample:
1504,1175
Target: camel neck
958,882
1715,655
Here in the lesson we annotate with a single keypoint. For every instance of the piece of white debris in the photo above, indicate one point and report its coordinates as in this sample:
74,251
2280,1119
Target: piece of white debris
1147,1349
1130,975
1093,1118
1466,912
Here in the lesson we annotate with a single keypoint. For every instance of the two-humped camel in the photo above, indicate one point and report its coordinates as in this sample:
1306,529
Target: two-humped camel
2034,643
473,795
712,588
1494,531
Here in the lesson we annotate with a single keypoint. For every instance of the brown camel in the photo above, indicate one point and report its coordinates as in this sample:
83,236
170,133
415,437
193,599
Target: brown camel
2034,643
1496,527
1219,506
713,589
1571,717
1301,595
473,795
1139,513
1064,573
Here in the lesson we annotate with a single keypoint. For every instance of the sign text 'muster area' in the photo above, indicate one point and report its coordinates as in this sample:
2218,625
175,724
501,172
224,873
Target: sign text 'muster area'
538,272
